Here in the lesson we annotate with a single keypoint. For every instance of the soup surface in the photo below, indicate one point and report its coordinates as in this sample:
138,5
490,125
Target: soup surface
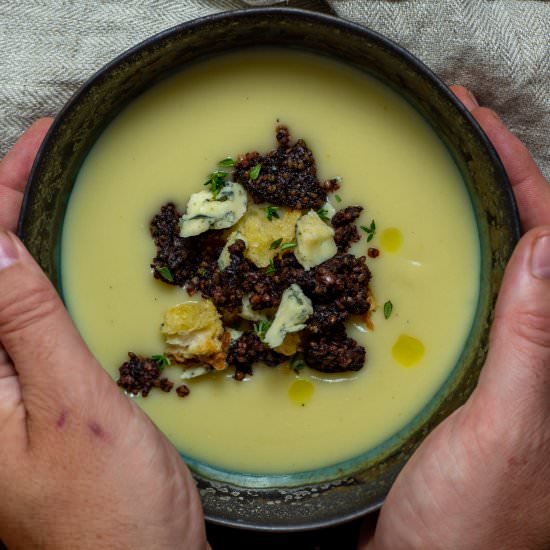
162,147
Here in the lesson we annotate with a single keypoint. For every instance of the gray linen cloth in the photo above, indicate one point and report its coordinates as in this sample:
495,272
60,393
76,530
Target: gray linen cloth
499,48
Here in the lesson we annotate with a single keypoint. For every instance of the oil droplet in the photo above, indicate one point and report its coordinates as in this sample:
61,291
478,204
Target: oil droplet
300,391
391,239
408,350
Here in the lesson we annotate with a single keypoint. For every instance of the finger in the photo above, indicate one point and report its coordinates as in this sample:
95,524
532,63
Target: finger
15,167
518,366
12,412
14,172
531,190
367,530
12,417
10,204
52,362
6,366
466,97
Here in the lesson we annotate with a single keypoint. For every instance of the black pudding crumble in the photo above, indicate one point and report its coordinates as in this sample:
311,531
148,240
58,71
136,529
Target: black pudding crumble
337,288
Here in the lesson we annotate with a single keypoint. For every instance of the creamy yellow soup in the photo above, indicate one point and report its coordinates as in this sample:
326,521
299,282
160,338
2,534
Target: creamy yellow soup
162,147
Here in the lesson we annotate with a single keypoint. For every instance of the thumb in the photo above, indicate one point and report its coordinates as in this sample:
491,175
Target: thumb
518,364
51,360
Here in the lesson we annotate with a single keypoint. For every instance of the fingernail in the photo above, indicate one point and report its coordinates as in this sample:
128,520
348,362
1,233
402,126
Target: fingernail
472,97
8,250
540,258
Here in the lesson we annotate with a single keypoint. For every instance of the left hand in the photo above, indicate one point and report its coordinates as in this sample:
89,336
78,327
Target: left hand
81,466
14,172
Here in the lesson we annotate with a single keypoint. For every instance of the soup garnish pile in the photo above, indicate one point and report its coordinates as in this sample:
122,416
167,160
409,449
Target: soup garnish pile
266,252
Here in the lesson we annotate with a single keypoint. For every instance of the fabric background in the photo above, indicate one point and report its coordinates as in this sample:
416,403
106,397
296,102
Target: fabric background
499,48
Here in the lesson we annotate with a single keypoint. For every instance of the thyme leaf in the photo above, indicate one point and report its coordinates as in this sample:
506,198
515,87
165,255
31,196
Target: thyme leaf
227,162
255,172
260,328
165,273
271,269
216,180
370,231
271,212
162,361
297,363
323,214
276,244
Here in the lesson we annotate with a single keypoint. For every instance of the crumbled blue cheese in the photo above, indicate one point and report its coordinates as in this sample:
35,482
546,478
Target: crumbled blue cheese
205,212
234,334
193,372
329,209
314,240
295,309
202,369
251,314
225,258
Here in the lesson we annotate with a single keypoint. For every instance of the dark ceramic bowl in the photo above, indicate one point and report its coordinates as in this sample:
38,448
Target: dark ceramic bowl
348,490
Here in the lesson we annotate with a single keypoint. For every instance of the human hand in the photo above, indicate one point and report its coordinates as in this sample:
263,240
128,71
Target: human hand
481,480
81,465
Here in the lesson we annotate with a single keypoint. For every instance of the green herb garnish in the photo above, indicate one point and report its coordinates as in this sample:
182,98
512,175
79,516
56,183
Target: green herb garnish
276,244
216,181
255,172
370,231
162,361
388,308
271,269
288,246
260,328
227,162
271,212
297,364
201,272
323,214
338,198
166,274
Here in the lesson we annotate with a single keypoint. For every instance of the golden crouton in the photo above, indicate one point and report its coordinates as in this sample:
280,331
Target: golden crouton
194,331
260,233
290,344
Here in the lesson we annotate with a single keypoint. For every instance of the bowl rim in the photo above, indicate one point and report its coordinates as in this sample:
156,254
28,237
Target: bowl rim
323,18
328,21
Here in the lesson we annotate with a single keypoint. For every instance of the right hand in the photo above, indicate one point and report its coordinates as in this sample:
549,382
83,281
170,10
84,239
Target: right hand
81,466
481,479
